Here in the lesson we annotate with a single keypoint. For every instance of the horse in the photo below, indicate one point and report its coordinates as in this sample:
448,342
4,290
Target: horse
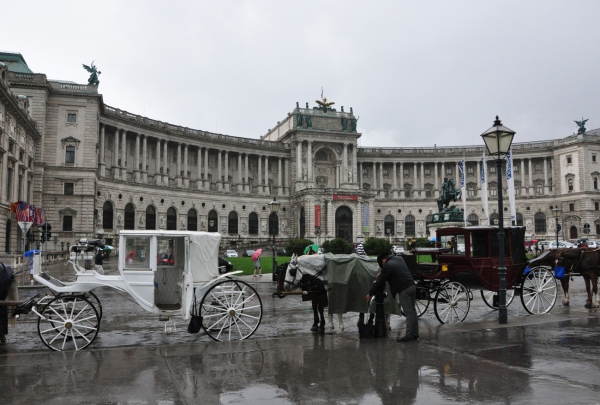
574,260
449,193
8,291
312,279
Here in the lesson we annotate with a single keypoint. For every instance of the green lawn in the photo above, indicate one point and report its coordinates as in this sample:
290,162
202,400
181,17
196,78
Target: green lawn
247,266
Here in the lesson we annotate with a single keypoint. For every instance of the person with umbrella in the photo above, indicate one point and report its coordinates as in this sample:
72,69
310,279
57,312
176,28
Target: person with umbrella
256,260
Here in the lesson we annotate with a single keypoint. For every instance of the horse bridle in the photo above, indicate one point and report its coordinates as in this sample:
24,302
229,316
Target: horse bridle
573,265
297,270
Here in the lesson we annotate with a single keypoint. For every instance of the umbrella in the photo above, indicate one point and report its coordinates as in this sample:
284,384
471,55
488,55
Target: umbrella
108,247
314,247
433,239
256,255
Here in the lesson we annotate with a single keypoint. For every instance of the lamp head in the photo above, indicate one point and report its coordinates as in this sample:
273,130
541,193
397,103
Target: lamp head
498,139
274,205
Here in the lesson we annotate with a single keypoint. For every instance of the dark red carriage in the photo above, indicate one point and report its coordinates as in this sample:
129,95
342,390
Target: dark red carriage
465,259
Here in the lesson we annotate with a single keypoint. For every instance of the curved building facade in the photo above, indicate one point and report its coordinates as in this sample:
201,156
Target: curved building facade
96,169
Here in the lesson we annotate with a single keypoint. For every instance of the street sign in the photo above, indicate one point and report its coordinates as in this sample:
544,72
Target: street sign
25,226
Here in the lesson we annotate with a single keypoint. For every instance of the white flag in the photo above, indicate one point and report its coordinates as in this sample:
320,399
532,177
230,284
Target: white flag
463,188
484,191
510,179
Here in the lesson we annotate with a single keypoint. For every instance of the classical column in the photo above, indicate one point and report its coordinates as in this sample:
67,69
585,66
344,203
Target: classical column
124,156
345,163
219,173
186,178
354,178
279,175
478,174
423,178
415,184
523,185
436,191
287,177
102,163
157,174
374,176
395,180
116,172
259,186
240,183
166,163
178,165
530,176
299,161
246,185
136,160
226,171
359,176
382,192
309,163
546,188
267,190
206,179
199,180
145,159
402,195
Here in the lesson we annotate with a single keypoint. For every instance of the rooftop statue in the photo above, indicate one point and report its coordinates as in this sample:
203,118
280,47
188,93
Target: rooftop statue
581,125
323,104
93,80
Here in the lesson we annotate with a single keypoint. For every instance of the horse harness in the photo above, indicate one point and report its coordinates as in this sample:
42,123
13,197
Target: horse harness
573,265
307,282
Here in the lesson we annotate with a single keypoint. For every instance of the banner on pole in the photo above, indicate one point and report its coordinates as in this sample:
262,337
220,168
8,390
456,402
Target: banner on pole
484,191
463,188
511,187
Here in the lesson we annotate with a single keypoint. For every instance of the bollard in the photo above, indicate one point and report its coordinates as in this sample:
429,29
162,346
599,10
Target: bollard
380,330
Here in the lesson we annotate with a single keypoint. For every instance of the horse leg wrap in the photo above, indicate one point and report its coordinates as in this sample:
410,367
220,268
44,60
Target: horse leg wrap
340,323
330,326
566,300
597,304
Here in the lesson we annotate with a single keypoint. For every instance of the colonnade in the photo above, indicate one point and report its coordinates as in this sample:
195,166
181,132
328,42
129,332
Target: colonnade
344,173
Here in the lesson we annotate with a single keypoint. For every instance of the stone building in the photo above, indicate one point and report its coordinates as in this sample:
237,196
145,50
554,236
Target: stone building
96,169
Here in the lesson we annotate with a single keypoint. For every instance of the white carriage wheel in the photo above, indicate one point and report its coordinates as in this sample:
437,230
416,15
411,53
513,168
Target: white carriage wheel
539,291
70,322
231,310
452,303
488,297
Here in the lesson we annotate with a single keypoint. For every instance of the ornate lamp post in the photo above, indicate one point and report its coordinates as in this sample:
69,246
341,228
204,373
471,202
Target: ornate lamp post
274,207
557,211
498,140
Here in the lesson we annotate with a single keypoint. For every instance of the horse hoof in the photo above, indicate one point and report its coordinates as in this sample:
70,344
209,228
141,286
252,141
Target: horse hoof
313,329
588,305
321,331
566,303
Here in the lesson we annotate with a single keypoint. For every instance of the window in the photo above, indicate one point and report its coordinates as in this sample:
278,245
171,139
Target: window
172,219
365,171
407,190
516,169
253,223
233,223
428,190
137,248
493,190
593,157
192,220
473,219
519,219
571,207
471,190
540,223
107,215
427,172
72,117
595,183
406,171
388,225
539,188
7,237
150,218
596,206
385,171
68,188
569,160
597,229
428,220
448,170
570,184
494,219
213,222
67,223
129,217
70,155
470,170
409,225
492,169
456,244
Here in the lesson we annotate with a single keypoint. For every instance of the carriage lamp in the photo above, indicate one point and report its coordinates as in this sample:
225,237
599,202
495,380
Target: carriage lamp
557,211
498,140
274,207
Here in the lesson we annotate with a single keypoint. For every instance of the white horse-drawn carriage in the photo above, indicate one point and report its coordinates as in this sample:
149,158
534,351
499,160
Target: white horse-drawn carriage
165,272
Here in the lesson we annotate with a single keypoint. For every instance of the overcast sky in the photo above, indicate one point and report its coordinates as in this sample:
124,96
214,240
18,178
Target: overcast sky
417,73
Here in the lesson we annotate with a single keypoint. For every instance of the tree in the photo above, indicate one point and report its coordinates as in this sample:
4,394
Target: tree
338,246
376,246
297,246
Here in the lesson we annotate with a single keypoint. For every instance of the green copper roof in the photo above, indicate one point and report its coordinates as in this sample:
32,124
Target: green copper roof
15,62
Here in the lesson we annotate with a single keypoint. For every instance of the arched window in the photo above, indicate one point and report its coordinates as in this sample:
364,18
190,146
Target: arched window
192,220
233,223
107,215
540,222
494,219
428,220
519,219
595,183
129,217
273,224
253,223
171,219
409,225
388,225
7,235
213,221
302,222
473,219
150,218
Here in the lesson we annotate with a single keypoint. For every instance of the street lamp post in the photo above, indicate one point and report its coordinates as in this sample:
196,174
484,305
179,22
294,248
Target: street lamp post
498,140
274,207
557,211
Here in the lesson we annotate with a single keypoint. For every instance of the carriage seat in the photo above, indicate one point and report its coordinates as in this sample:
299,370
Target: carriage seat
168,287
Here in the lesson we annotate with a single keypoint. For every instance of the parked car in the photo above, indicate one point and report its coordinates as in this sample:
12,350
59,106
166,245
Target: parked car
225,264
281,252
398,250
592,244
460,247
231,253
248,253
565,244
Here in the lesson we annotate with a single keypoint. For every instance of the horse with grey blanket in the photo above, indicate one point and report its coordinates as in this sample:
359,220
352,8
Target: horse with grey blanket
338,282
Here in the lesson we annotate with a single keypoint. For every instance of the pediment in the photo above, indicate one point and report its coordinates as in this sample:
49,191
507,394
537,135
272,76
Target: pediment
67,212
69,140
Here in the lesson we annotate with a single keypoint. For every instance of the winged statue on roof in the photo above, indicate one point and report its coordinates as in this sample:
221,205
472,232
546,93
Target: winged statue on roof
323,103
581,125
93,80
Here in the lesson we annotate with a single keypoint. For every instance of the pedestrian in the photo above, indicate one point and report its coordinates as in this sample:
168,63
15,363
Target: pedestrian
257,267
402,284
99,261
360,249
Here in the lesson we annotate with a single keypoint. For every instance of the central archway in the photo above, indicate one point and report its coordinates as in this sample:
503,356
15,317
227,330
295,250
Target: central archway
343,223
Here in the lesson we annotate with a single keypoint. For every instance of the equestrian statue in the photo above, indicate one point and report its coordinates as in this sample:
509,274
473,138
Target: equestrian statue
449,193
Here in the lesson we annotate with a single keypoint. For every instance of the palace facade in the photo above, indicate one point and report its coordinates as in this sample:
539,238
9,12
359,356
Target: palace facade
96,169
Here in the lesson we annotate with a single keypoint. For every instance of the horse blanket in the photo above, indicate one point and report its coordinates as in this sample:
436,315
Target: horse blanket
6,275
350,277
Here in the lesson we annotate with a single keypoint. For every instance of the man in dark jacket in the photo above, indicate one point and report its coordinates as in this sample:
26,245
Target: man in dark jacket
397,274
